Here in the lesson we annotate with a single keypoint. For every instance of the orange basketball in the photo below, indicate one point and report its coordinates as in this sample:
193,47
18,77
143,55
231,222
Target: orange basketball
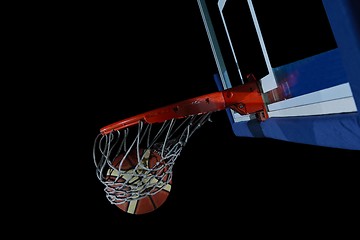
150,202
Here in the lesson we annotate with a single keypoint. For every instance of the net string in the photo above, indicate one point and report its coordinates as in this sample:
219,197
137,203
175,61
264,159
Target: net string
166,139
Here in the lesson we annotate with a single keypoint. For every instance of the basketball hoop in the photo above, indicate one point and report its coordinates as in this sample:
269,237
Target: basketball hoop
134,157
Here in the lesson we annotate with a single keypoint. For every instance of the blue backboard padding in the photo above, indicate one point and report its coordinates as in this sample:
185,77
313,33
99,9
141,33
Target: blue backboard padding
337,130
344,19
312,74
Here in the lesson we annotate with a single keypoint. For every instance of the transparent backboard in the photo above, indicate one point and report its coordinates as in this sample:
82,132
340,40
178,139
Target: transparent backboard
304,62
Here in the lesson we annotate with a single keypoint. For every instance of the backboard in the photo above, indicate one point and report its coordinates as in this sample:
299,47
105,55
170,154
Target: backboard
305,56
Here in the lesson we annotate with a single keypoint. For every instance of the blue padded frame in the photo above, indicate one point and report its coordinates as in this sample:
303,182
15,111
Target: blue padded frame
332,130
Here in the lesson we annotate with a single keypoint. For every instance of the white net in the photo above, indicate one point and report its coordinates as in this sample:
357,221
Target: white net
135,162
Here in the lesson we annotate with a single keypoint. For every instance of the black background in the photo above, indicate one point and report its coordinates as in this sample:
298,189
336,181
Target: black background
93,64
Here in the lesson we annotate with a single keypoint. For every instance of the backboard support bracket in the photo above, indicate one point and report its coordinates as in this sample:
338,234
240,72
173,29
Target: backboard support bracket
247,99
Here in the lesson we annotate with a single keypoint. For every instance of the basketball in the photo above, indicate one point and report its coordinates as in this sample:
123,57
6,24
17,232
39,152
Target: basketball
130,178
